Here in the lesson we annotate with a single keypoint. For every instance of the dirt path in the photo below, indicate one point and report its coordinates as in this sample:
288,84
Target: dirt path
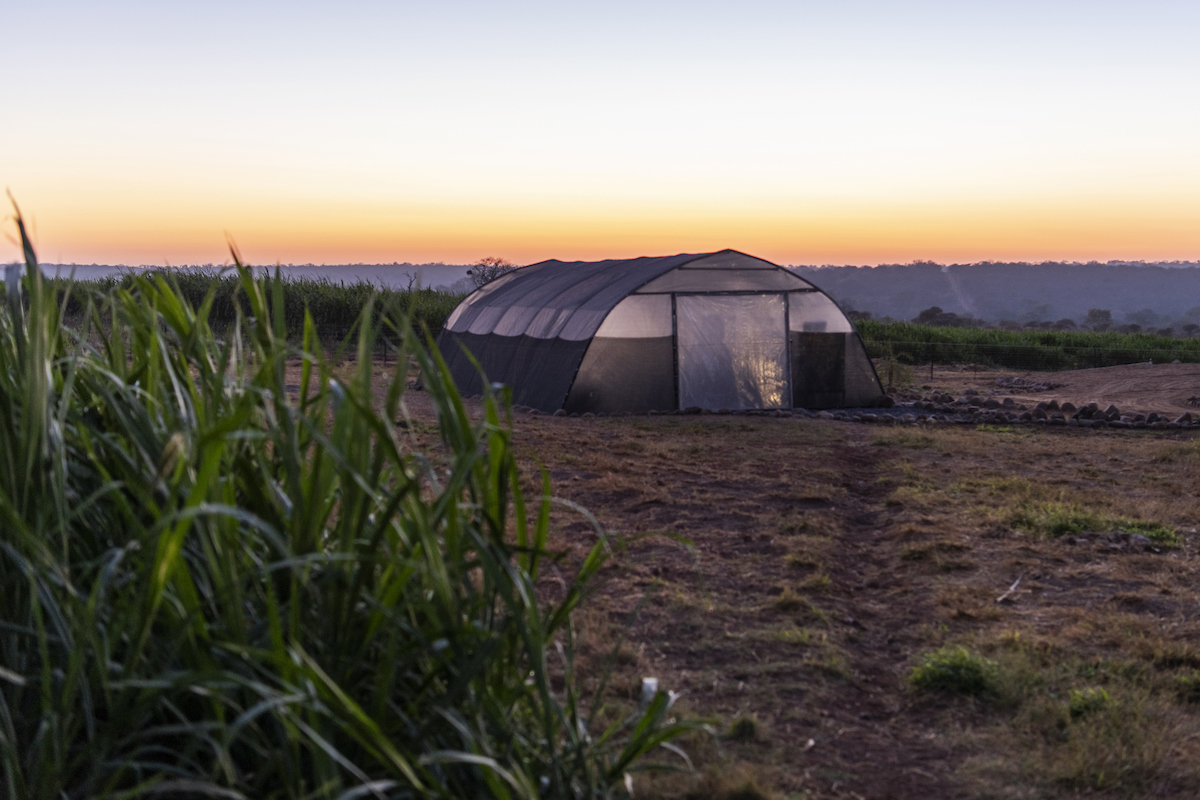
776,608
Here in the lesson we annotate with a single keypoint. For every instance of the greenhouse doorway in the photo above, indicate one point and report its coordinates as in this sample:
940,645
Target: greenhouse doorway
732,351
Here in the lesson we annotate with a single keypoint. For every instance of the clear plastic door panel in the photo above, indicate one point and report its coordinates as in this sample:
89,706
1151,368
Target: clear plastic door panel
732,351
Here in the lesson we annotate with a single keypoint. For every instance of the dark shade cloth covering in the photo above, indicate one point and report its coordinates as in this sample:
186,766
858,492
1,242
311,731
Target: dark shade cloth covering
534,330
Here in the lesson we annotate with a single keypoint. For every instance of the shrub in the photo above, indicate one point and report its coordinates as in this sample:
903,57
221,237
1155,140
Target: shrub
955,670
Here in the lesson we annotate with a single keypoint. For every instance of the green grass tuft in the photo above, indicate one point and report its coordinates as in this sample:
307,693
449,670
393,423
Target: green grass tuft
955,670
1052,520
1082,702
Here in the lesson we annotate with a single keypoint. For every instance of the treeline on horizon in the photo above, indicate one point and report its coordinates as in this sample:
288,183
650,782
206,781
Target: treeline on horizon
64,269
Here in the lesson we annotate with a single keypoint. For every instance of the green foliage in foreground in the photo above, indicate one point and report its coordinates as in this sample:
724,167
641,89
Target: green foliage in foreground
334,307
210,589
1033,350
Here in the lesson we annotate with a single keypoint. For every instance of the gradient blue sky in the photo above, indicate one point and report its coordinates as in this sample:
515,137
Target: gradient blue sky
855,132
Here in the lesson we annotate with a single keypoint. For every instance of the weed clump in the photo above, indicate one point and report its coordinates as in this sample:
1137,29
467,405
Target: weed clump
744,729
1052,520
789,600
1187,688
955,670
1082,702
796,561
792,602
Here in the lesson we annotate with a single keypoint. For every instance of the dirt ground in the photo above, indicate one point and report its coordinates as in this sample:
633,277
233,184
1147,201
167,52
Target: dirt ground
790,577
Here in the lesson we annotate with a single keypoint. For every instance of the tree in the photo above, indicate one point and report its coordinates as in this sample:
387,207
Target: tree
1098,319
487,269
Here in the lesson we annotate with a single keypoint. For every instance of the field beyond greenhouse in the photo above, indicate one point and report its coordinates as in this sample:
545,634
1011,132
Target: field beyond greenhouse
335,306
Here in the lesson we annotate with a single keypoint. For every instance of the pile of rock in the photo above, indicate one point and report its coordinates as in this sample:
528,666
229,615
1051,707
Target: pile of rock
1024,383
972,409
938,407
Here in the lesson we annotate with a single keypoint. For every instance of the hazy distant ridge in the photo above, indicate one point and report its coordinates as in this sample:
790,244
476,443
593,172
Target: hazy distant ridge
1017,291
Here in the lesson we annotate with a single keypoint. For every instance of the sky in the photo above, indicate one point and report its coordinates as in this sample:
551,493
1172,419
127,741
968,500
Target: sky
801,132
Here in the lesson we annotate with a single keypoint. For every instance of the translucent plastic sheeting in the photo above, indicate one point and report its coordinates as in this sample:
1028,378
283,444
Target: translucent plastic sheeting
553,299
730,261
813,312
724,280
732,351
638,318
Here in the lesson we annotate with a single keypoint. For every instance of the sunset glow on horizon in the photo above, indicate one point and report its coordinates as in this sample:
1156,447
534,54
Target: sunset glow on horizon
862,134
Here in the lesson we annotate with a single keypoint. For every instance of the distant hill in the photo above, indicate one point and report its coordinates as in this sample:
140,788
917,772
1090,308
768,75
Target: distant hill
1144,293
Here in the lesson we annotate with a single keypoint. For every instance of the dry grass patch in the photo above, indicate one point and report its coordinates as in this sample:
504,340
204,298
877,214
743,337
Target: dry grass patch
739,630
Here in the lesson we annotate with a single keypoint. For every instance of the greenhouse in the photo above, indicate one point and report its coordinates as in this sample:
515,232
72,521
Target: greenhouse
713,331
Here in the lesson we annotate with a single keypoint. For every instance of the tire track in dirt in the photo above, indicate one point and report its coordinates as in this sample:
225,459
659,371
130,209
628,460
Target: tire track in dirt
893,748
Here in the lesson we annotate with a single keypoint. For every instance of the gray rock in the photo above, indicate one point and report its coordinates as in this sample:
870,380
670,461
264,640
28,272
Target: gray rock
562,413
1068,408
1053,406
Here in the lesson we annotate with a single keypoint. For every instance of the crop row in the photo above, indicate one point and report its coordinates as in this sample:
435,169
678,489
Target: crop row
334,306
1032,350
